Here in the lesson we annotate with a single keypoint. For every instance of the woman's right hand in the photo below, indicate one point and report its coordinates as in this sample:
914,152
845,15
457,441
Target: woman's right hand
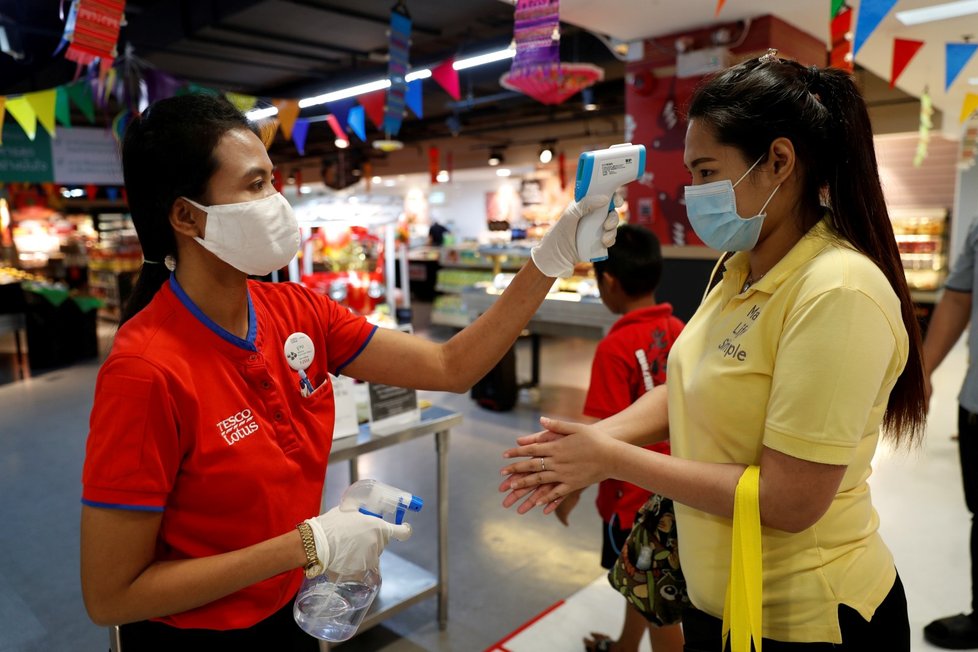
352,541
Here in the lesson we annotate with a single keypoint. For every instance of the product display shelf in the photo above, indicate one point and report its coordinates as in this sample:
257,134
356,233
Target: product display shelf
921,236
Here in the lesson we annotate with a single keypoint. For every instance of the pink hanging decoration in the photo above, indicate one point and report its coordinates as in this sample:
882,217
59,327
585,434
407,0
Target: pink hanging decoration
537,70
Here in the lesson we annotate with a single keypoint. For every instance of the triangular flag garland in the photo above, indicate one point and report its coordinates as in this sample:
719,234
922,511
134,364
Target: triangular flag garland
373,104
836,7
299,132
80,93
288,113
956,58
62,109
243,103
24,114
334,124
447,77
43,104
341,109
356,119
968,106
414,98
841,54
871,13
399,46
903,51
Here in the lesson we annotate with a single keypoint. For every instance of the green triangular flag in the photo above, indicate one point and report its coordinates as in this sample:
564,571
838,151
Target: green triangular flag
81,94
837,6
62,111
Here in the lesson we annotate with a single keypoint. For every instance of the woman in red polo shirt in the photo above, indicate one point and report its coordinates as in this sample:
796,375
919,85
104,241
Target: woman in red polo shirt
205,448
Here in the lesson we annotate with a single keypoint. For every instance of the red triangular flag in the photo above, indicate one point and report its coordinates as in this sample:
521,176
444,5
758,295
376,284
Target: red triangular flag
373,104
719,7
447,78
903,51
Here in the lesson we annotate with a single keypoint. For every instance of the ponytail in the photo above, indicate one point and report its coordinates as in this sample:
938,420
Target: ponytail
167,153
822,113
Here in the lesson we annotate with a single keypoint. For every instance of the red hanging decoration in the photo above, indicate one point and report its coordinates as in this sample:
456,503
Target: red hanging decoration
562,169
903,51
91,191
96,31
433,156
841,54
447,77
277,182
373,105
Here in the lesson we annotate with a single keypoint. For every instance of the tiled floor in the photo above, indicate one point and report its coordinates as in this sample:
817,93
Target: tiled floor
504,568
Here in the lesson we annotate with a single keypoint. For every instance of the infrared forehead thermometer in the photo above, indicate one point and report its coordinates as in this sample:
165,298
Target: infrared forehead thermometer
602,172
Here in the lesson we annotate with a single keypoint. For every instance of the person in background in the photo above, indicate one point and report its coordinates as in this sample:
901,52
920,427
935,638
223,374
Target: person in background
794,363
436,233
206,449
629,361
950,319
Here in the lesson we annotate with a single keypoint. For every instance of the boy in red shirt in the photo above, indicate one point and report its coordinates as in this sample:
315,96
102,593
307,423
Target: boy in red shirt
628,362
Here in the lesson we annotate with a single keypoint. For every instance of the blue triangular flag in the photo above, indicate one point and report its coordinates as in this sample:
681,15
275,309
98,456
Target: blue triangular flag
355,118
299,132
956,58
341,109
414,99
871,12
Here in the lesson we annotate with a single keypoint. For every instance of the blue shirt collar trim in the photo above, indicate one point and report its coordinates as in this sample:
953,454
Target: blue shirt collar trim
248,344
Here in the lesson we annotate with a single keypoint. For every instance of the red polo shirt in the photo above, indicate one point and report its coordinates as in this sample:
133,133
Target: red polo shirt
212,431
618,379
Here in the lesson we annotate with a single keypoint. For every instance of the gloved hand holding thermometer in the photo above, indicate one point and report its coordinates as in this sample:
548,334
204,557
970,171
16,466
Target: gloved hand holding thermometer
588,226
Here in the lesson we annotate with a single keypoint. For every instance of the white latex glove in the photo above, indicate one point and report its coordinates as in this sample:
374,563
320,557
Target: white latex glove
351,541
557,254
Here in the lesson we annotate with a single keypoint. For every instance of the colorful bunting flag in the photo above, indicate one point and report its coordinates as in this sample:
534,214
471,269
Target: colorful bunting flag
299,132
43,104
243,103
288,113
447,77
841,54
334,124
836,7
414,99
397,65
341,109
267,130
24,114
119,124
373,104
968,107
956,58
357,122
62,109
80,93
903,51
871,13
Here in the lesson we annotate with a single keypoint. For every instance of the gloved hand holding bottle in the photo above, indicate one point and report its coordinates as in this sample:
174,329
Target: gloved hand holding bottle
349,540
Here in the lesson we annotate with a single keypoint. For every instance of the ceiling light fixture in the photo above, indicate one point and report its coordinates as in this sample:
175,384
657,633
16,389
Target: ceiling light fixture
546,151
383,84
503,172
587,100
938,12
341,143
495,156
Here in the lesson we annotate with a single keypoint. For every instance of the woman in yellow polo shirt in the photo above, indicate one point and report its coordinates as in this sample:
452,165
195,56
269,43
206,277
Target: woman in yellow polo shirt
804,352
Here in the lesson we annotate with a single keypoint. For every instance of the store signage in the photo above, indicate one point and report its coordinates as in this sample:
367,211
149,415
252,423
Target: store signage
84,155
392,408
22,159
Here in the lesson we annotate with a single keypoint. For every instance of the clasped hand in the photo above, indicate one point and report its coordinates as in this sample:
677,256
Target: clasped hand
563,458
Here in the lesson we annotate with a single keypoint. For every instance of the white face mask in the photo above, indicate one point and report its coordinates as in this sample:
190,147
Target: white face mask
256,237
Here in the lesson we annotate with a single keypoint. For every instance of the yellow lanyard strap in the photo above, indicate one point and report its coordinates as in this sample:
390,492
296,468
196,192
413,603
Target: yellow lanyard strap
743,604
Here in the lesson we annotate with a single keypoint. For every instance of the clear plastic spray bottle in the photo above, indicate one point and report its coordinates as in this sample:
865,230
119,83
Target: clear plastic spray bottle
332,605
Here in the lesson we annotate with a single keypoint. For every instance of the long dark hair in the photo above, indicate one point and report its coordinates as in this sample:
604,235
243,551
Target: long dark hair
168,152
822,113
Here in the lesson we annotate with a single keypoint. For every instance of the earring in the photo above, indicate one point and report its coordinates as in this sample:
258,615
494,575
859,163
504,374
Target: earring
170,263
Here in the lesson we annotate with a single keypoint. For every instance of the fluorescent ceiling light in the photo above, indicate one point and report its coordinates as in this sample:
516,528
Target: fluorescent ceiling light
382,84
938,12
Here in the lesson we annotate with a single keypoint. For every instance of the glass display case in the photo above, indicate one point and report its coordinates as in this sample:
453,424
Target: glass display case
922,237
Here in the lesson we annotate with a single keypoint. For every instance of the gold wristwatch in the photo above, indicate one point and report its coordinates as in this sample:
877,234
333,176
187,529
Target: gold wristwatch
313,567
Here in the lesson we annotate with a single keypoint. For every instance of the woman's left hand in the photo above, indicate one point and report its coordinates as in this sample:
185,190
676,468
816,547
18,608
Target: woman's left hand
578,458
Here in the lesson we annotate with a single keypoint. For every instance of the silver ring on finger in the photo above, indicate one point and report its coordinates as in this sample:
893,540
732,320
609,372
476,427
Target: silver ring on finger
543,465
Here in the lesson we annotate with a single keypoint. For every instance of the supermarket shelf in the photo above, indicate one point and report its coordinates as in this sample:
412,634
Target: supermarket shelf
918,237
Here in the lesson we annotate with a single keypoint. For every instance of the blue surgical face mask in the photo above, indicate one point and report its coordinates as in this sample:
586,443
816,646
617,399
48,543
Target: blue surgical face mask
712,211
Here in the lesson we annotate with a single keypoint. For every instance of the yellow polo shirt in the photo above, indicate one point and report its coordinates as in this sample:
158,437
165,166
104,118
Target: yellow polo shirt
802,362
